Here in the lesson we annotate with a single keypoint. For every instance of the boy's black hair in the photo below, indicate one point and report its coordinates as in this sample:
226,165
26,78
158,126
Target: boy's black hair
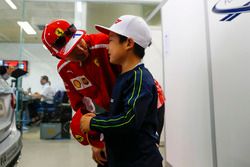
138,50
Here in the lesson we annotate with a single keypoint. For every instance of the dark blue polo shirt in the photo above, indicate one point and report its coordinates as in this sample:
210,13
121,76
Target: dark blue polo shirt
130,126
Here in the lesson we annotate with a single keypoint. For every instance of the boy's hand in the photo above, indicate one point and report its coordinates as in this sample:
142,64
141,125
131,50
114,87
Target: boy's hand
85,122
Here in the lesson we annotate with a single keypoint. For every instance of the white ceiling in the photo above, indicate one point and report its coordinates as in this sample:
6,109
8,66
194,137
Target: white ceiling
38,12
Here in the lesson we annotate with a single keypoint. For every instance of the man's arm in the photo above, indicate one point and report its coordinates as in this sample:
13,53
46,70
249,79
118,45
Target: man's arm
76,99
136,103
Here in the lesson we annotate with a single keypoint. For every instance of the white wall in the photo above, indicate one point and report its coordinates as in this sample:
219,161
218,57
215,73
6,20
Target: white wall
97,14
231,83
187,76
188,133
153,59
40,62
153,54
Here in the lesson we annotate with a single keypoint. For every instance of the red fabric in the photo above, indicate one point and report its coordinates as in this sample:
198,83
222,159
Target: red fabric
74,126
92,79
161,97
93,138
96,69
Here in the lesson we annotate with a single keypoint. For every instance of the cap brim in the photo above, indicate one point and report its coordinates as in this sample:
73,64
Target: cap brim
103,29
66,50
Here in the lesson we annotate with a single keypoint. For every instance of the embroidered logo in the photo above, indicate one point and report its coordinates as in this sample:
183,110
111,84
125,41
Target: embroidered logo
81,82
79,138
231,8
59,32
118,21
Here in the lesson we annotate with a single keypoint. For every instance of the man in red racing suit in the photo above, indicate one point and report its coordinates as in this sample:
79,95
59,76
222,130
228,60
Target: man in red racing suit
87,74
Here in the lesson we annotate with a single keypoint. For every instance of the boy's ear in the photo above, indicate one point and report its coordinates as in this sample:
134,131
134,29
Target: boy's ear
130,43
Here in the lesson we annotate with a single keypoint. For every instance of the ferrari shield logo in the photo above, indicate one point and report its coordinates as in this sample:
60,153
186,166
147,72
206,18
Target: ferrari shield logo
79,138
59,32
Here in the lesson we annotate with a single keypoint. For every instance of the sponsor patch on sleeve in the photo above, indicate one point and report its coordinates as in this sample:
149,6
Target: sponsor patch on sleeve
81,82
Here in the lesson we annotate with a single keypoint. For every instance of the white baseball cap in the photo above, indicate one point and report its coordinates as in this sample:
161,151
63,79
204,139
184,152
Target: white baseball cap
132,27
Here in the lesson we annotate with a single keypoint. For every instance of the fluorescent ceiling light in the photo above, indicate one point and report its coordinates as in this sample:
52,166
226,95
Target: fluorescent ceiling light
26,27
11,4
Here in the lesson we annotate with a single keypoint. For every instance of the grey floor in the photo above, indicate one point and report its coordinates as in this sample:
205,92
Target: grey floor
54,153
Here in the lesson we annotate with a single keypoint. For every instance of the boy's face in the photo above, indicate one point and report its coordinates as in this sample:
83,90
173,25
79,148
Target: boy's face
80,52
117,50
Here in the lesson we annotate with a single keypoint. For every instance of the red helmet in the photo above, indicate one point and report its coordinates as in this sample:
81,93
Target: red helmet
93,138
60,37
75,129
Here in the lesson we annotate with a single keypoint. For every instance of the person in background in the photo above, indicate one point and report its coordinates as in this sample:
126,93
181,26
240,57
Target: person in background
45,96
47,93
5,72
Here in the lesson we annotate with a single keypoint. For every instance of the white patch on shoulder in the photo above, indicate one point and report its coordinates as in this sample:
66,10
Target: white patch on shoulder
89,104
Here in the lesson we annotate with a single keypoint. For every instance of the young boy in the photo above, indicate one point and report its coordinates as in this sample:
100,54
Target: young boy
130,126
